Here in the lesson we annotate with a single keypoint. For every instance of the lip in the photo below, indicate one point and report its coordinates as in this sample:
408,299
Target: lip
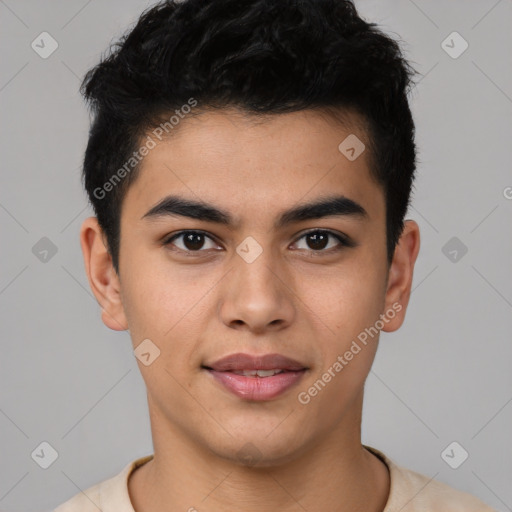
254,387
242,361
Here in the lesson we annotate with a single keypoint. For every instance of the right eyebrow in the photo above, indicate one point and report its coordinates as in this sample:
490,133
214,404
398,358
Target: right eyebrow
183,207
174,205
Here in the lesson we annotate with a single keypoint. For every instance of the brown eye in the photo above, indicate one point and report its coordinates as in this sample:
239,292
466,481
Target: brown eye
319,241
192,241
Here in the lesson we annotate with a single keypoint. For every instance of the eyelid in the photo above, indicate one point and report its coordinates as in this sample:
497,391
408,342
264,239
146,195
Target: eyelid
168,239
344,240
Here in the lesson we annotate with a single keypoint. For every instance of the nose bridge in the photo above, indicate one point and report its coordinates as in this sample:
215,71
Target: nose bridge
255,268
256,292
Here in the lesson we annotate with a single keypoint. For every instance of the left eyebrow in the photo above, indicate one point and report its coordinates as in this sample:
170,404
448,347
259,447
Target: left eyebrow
333,206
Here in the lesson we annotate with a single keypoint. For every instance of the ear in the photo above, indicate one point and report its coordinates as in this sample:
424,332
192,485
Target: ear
400,275
103,279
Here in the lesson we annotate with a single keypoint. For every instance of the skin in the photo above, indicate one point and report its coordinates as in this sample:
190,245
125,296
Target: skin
290,301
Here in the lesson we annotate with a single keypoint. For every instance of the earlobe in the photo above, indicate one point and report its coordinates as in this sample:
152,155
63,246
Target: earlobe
103,279
401,274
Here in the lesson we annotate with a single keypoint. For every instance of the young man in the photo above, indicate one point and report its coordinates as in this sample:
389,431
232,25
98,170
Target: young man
250,164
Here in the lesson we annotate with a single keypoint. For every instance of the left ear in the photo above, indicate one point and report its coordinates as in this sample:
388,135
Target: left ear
400,275
103,279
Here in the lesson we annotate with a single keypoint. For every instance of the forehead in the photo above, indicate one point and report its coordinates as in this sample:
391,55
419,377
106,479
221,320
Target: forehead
256,167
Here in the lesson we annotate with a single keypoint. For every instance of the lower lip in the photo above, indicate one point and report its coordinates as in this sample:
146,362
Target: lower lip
257,388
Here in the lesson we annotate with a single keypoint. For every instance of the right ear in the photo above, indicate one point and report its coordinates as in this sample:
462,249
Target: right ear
103,279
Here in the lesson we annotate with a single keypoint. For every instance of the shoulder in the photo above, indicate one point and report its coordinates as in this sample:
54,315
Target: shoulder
420,493
414,492
110,495
85,501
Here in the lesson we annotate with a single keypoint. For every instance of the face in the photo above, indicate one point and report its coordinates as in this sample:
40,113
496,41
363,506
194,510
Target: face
299,292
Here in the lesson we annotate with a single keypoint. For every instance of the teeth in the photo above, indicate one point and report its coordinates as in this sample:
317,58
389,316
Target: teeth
268,373
259,373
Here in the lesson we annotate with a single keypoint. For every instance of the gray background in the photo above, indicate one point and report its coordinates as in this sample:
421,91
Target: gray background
444,376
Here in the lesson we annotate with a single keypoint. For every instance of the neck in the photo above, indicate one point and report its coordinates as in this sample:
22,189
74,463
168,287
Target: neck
337,473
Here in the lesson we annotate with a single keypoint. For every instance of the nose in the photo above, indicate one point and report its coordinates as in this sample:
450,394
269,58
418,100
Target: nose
257,296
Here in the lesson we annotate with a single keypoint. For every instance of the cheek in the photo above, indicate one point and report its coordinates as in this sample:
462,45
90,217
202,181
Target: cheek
366,287
167,306
158,295
350,308
346,300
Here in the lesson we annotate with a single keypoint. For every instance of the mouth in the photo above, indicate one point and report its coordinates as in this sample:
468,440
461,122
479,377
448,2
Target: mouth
256,378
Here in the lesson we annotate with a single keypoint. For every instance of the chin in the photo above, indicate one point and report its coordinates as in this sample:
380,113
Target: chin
258,448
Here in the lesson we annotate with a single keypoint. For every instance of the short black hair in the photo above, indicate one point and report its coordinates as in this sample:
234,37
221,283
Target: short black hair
261,57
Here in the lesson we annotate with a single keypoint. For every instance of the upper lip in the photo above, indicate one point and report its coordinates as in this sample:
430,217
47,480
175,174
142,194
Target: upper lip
242,361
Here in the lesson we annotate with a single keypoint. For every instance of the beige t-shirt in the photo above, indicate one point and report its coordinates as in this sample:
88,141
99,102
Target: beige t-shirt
409,492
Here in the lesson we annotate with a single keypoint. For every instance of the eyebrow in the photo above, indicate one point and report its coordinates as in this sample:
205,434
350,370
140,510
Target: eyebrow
325,207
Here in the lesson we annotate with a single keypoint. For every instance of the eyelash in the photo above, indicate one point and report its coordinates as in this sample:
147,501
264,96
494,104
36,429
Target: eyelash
344,241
